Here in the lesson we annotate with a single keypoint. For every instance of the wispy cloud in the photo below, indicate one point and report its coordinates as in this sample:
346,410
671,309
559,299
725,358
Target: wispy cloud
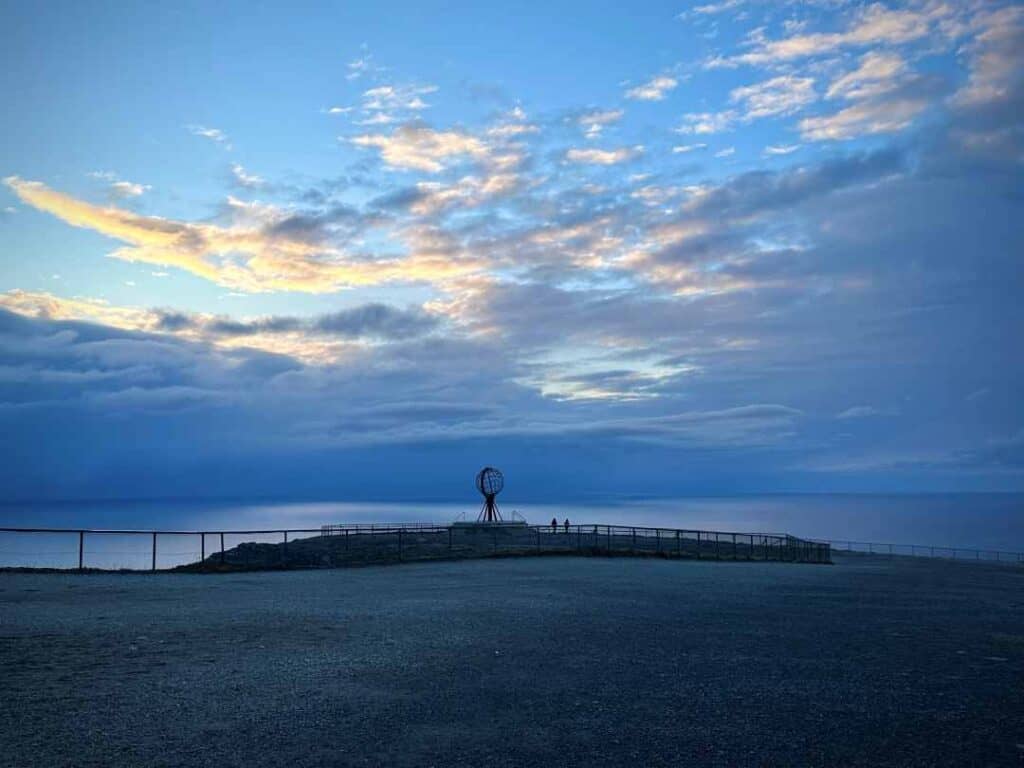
782,95
655,89
706,123
885,97
263,249
996,59
781,149
423,149
245,179
594,121
876,73
872,25
213,134
118,188
711,9
859,412
603,156
362,66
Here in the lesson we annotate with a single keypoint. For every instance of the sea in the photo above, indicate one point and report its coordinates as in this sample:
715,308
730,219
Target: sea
983,521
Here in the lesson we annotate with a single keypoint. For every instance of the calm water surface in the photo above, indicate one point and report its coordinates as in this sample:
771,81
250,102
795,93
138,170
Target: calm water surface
991,521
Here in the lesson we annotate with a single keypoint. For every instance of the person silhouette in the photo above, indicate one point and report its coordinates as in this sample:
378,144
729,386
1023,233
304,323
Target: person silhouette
567,525
554,524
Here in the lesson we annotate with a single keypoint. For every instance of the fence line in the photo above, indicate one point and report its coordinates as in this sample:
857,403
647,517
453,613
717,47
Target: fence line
344,544
924,550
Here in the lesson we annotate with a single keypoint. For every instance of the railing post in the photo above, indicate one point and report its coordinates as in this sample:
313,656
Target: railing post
579,537
679,545
734,546
284,550
718,548
698,545
399,543
634,538
202,548
449,538
538,539
222,547
81,549
154,552
609,529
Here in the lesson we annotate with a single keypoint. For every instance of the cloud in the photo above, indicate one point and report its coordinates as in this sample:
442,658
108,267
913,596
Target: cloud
996,73
306,338
781,149
704,123
264,249
423,149
600,117
594,121
776,97
727,152
243,178
782,95
872,25
376,320
428,198
123,189
603,156
859,412
877,73
712,9
397,97
747,425
361,66
884,111
685,148
118,188
213,134
654,89
885,95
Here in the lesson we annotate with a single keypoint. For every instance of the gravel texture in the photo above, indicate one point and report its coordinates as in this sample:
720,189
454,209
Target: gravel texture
536,661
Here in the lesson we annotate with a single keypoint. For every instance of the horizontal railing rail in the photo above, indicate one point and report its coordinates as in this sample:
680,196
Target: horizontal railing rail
347,543
336,528
924,550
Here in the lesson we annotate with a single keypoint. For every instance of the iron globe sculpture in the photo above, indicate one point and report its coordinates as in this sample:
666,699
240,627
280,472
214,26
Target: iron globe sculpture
489,481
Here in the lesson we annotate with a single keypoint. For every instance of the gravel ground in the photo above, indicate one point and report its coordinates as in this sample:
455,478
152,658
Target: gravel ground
546,661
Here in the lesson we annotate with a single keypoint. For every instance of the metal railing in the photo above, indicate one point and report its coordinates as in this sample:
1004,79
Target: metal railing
887,549
352,544
336,529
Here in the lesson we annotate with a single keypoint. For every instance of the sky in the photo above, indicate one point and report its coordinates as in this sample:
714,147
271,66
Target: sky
324,250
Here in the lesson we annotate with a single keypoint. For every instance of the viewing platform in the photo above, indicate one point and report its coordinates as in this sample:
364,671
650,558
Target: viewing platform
353,544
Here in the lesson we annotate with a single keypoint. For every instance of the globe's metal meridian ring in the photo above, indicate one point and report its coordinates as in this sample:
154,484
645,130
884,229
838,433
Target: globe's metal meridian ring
490,481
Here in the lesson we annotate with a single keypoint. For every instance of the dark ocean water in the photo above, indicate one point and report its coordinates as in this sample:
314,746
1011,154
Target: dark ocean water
989,521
